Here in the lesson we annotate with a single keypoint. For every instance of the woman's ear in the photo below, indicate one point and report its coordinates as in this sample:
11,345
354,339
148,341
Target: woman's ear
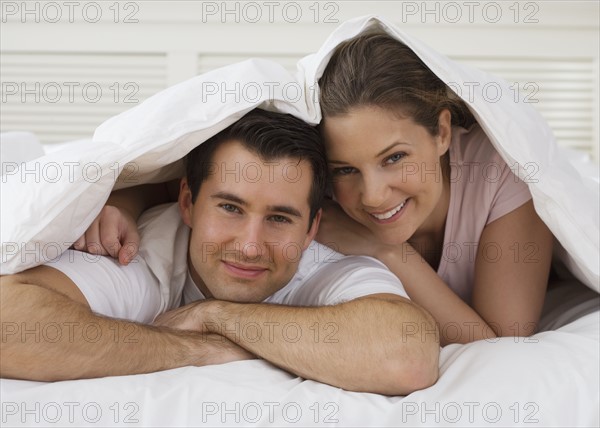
185,202
444,136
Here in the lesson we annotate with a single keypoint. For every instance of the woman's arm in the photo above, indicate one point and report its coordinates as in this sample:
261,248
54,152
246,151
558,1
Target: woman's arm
508,291
456,320
114,231
509,286
135,200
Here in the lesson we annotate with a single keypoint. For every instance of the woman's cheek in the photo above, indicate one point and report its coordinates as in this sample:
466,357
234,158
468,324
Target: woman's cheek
342,193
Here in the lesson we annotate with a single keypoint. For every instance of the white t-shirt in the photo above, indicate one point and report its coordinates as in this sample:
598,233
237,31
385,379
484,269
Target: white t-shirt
158,278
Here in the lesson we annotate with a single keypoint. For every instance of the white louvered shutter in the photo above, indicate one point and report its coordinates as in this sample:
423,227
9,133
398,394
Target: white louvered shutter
210,62
65,96
563,91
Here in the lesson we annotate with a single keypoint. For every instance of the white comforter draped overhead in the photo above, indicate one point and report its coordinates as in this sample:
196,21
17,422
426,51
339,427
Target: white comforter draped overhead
44,212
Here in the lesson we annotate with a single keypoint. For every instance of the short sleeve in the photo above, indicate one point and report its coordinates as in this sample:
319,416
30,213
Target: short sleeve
343,280
509,191
126,292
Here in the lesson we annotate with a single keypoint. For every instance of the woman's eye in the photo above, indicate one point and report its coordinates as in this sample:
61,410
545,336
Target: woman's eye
345,170
395,158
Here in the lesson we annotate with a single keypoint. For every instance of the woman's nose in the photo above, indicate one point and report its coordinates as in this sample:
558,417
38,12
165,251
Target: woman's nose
374,191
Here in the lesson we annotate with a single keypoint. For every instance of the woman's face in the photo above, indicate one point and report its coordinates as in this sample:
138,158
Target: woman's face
386,171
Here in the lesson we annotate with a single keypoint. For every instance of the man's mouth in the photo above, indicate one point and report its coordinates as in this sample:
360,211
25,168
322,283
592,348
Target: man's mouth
244,270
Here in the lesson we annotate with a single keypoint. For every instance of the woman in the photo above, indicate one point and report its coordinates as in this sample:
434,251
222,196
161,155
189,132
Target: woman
418,185
422,189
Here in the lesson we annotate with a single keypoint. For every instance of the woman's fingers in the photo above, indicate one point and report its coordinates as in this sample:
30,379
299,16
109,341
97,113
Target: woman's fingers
130,245
114,232
80,243
109,229
92,239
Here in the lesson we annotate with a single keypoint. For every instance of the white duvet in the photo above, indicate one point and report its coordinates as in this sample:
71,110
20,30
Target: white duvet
69,193
551,379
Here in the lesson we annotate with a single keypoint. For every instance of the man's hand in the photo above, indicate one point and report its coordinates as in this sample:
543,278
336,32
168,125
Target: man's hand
225,351
114,232
394,342
190,317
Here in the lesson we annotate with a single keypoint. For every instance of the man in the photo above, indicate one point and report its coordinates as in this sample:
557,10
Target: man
248,209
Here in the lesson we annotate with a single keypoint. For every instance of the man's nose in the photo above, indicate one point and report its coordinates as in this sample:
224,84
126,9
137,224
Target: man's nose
250,238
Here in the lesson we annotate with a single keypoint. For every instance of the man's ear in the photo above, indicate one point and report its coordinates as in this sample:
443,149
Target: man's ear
314,228
444,136
185,202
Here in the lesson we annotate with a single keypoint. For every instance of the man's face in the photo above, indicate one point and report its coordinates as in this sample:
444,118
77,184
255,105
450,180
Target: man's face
249,224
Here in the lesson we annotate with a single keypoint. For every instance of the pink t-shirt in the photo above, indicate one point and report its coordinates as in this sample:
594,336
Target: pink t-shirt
483,188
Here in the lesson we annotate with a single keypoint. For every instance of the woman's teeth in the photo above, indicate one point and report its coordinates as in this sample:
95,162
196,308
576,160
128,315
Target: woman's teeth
390,213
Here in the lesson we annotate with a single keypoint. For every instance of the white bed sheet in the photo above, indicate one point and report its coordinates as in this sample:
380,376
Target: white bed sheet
549,379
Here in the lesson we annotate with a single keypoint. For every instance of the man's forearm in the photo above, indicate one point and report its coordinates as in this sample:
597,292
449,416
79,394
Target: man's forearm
46,337
370,344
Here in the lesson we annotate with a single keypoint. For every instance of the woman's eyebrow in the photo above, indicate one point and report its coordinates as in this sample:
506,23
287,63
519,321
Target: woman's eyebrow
391,146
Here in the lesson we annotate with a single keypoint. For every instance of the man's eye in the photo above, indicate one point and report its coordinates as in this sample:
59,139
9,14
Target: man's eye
345,170
280,219
230,208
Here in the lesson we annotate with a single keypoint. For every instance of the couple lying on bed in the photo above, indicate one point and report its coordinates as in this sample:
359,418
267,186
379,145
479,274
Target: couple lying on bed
418,187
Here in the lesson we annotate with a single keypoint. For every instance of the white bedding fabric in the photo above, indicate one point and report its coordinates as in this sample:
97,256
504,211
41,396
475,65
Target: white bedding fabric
551,379
161,130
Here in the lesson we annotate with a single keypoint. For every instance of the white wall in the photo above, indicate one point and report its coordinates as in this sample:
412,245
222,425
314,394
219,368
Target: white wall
66,66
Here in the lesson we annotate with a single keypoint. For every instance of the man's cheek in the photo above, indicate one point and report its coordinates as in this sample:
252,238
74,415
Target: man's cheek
204,251
289,253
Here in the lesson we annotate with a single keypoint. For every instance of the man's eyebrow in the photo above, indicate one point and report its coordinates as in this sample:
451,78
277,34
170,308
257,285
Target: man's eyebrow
229,197
285,209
